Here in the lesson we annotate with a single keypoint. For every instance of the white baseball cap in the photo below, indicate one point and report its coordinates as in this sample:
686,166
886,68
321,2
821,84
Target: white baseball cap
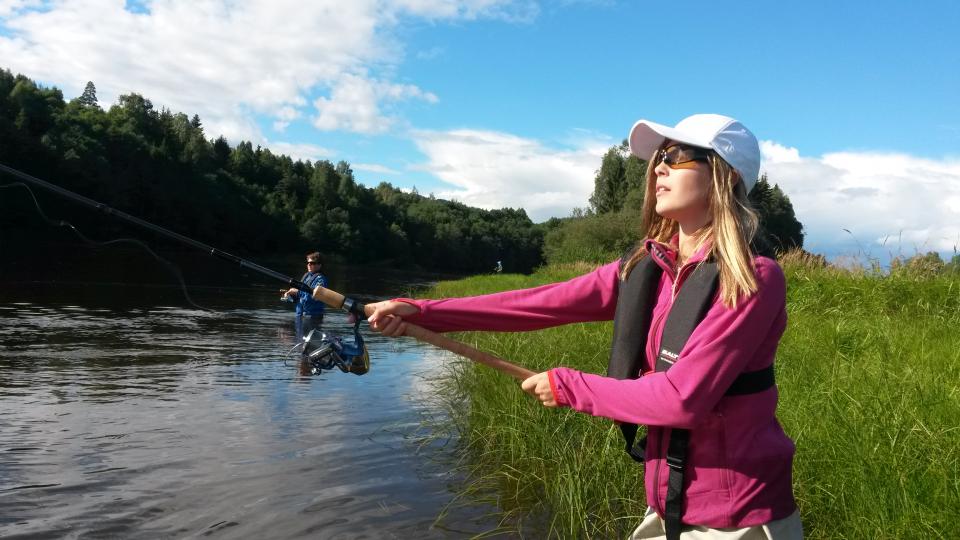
722,134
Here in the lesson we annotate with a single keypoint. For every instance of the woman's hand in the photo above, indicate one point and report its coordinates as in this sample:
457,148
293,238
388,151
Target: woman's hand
387,317
538,386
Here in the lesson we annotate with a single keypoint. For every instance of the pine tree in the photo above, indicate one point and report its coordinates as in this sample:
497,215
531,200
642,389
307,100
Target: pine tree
778,222
89,96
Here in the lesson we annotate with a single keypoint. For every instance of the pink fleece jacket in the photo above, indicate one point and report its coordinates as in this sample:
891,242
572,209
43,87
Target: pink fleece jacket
739,460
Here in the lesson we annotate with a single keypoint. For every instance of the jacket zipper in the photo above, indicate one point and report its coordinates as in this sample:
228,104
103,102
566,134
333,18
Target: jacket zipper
674,287
656,477
661,455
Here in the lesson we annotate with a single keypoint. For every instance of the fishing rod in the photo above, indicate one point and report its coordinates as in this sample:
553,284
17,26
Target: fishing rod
328,352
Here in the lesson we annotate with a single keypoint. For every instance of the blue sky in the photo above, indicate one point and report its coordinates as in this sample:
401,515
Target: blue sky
511,103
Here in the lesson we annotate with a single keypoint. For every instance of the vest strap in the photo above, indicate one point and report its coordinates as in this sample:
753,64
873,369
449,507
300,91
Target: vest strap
752,382
677,461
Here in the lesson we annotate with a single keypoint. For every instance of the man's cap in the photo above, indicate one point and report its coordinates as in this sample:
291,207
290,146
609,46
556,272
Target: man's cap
722,134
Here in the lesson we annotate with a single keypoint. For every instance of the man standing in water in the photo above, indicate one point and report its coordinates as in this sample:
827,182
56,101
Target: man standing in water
309,311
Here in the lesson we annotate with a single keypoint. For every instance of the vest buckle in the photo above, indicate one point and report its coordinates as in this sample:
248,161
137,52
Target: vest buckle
675,463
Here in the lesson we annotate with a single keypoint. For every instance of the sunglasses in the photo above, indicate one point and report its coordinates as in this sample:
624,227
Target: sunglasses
313,262
679,156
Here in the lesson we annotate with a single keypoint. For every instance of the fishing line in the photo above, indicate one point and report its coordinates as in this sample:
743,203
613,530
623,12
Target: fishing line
63,223
294,348
322,351
157,229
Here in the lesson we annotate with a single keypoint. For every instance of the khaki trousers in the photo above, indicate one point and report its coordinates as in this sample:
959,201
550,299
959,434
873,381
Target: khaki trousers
788,528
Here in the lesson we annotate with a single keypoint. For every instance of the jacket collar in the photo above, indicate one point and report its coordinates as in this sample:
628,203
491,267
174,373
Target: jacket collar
666,255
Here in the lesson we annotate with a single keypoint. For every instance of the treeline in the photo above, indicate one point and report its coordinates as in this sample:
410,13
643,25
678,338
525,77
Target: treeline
611,223
160,166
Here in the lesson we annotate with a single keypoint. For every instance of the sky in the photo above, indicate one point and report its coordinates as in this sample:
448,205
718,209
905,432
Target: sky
512,103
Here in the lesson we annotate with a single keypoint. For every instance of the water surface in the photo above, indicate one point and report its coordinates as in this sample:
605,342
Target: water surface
124,417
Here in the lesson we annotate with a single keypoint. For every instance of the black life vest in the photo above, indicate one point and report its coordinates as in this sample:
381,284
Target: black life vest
631,325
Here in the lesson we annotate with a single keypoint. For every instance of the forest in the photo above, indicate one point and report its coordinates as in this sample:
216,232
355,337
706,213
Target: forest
162,167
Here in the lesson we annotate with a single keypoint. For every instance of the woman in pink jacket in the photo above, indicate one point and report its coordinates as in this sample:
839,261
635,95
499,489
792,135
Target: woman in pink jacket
697,319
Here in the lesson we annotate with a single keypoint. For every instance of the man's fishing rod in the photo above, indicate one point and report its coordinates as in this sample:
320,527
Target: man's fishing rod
346,355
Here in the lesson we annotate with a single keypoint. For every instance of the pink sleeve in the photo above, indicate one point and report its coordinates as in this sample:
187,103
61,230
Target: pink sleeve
727,343
590,297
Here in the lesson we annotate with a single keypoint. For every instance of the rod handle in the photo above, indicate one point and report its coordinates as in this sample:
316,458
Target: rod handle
328,297
439,340
339,301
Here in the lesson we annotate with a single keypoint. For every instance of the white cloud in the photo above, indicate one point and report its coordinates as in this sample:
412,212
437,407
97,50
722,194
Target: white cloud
354,104
507,10
774,152
430,54
230,61
892,204
9,6
297,151
373,168
284,116
496,170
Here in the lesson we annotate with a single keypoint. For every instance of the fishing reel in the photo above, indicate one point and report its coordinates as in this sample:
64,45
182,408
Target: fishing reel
322,351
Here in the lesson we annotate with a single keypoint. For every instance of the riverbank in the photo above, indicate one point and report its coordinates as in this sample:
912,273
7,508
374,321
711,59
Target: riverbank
869,379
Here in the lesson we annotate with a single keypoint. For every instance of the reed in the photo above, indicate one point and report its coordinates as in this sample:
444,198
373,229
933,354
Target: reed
869,380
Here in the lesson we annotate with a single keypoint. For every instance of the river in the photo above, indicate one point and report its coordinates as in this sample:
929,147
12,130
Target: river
126,412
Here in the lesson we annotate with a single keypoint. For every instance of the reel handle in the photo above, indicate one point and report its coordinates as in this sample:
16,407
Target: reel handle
339,301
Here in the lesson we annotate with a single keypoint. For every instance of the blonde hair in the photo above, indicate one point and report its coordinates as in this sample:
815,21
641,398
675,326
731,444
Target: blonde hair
732,227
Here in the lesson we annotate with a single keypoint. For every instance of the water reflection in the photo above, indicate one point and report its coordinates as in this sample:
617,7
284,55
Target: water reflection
166,421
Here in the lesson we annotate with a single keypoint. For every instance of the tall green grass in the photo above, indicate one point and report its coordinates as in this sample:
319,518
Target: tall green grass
869,379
